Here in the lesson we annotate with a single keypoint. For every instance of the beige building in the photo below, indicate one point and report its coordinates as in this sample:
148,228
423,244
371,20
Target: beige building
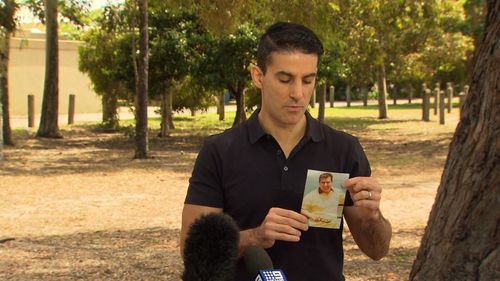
27,73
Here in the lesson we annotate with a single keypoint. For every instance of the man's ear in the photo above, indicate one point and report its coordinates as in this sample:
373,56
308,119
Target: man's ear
257,76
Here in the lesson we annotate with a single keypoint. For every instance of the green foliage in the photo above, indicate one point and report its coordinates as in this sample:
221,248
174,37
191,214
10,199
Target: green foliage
223,61
190,95
8,9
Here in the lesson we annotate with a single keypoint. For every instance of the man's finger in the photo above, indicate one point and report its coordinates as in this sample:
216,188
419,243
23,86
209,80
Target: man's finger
289,214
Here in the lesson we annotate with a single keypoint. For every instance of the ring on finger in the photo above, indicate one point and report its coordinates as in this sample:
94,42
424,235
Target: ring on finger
369,195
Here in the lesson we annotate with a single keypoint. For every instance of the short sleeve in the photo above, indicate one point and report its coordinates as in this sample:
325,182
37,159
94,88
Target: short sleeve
205,184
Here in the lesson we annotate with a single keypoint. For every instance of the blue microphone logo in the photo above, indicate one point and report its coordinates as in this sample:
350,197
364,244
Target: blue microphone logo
271,275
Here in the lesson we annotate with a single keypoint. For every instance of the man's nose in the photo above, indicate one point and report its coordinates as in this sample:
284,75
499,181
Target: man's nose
296,91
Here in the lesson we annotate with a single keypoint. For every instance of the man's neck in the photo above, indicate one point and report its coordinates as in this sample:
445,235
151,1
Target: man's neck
287,136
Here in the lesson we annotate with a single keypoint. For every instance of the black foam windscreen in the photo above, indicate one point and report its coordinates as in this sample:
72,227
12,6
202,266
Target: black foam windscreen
211,249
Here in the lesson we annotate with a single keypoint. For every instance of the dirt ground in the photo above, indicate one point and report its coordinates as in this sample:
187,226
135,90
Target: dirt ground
80,208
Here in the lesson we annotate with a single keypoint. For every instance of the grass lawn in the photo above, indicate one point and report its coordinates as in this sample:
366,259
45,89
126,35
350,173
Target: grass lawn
81,208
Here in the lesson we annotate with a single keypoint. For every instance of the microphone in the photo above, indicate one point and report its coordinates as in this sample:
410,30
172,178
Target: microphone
257,261
211,249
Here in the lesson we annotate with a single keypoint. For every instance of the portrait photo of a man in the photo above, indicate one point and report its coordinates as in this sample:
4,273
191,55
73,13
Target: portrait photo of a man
324,198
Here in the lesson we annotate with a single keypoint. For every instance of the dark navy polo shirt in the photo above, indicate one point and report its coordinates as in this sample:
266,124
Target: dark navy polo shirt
244,171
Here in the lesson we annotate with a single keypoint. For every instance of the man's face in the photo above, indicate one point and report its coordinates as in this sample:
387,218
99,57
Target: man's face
325,184
286,87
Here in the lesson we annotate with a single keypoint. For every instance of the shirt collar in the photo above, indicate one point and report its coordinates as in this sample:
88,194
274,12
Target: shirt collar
256,132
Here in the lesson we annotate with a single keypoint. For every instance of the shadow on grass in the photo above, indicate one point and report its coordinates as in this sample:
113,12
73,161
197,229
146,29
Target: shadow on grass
357,123
87,149
395,266
142,254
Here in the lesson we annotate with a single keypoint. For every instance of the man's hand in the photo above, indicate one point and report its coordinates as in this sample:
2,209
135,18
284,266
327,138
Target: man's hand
371,231
279,224
365,193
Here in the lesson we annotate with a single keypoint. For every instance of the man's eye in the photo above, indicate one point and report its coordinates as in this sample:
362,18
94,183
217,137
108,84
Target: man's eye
284,81
307,81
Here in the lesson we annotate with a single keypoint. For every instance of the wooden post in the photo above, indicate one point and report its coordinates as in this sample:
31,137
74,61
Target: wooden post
466,90
348,95
31,111
441,107
436,93
449,94
71,110
426,104
332,95
321,109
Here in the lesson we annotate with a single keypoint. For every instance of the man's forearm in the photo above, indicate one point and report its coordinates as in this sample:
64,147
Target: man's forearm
374,237
247,239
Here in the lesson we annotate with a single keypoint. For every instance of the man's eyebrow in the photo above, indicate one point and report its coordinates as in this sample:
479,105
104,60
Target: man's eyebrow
313,74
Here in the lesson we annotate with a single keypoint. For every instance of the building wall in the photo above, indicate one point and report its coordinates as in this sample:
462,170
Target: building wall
27,74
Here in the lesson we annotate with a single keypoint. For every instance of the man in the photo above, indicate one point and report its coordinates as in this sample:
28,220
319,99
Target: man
323,206
256,171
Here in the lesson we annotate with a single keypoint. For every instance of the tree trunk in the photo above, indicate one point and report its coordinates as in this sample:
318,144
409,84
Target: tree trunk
49,119
4,86
110,119
240,104
321,109
364,94
312,101
1,136
141,125
382,92
462,239
221,107
348,95
164,126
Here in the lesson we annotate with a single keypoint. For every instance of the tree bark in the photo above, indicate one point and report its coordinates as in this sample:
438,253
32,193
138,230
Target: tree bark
239,94
364,94
462,238
4,86
49,120
167,122
221,107
110,119
164,126
382,92
141,125
348,95
321,109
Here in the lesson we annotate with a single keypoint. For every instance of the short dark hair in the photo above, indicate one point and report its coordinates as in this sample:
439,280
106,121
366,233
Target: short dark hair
325,175
288,37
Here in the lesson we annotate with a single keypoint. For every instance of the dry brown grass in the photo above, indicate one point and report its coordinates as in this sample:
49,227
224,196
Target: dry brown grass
80,208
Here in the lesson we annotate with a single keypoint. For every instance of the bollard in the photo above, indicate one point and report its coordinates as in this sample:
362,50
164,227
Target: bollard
441,108
71,110
449,94
436,93
332,95
348,95
426,105
31,111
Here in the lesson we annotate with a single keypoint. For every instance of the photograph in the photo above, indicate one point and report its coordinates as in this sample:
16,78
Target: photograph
324,198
